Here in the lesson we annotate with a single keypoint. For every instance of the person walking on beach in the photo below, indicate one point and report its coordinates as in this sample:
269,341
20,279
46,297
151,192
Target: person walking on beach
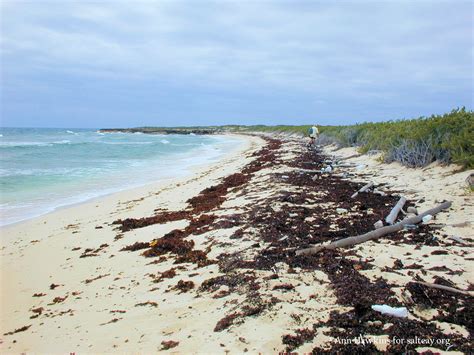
313,135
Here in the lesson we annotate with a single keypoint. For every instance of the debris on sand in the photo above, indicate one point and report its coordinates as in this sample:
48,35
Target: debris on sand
400,312
184,286
58,300
147,303
88,281
294,341
169,344
168,274
114,320
22,329
38,310
225,322
164,217
136,246
285,287
452,307
299,211
93,252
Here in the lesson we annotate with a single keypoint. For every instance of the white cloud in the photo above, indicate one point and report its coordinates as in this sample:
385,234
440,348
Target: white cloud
363,48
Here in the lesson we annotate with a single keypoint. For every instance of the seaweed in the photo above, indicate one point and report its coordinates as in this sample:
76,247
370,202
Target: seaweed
88,281
301,212
58,300
22,329
136,246
164,217
294,341
168,274
184,286
453,308
93,252
169,344
285,287
147,303
225,322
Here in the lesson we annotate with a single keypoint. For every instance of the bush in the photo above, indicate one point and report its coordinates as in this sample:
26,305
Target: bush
324,139
447,138
411,153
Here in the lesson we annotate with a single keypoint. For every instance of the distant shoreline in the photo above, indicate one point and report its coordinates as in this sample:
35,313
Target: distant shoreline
146,130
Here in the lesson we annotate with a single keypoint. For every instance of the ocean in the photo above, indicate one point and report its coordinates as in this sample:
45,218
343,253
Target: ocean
42,169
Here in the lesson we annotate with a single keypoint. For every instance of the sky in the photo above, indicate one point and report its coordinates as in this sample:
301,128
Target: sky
176,63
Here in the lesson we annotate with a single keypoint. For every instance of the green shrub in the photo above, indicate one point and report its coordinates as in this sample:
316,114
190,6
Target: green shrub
447,138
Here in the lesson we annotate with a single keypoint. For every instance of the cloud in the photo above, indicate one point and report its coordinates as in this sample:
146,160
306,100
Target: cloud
360,50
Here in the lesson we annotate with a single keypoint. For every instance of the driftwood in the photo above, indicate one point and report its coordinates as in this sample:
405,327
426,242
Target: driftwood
363,188
378,192
309,171
350,157
345,242
392,216
445,288
378,224
458,239
345,165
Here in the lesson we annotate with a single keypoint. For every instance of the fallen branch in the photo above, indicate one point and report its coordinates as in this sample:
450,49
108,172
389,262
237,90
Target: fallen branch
378,192
310,171
445,288
345,242
350,157
378,224
345,165
392,216
458,239
363,189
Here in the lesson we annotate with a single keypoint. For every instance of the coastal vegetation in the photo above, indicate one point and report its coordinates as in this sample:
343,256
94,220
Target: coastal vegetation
447,138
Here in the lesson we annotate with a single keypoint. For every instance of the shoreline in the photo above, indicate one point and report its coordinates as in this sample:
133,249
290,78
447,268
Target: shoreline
215,270
193,170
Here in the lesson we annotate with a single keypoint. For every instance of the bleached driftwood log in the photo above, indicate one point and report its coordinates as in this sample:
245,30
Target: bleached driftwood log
378,224
309,171
445,288
345,242
350,157
392,216
363,188
458,239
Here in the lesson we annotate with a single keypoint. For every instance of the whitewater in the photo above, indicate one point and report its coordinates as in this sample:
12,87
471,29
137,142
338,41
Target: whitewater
42,169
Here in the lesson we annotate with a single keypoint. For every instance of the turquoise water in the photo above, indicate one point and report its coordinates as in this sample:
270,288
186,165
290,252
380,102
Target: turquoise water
43,169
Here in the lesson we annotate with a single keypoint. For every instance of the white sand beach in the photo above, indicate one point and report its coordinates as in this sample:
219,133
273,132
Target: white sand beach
116,301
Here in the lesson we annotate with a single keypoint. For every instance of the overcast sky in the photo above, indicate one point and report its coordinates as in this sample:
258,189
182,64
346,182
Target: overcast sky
128,63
